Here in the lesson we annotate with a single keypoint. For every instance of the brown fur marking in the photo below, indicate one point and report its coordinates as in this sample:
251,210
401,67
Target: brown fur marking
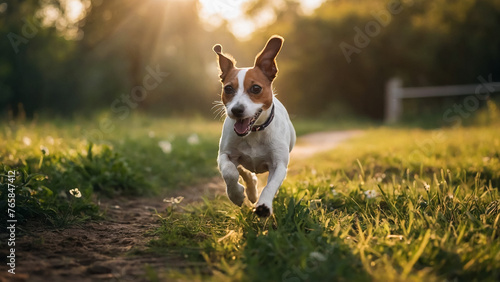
256,76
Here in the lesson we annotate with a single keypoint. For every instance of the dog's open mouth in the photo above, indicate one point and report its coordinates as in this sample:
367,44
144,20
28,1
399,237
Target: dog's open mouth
243,126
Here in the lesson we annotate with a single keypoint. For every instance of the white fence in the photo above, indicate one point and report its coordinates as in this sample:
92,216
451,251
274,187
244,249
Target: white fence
395,93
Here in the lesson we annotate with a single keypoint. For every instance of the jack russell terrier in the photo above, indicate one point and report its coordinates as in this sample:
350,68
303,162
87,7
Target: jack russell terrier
257,135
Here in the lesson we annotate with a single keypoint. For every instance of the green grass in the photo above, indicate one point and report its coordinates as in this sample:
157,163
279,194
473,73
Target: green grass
393,204
54,156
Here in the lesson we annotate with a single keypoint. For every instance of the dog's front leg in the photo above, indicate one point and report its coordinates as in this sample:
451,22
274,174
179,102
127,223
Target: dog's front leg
229,171
264,207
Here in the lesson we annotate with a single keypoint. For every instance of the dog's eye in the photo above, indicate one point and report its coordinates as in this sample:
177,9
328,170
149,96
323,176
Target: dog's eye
255,89
228,89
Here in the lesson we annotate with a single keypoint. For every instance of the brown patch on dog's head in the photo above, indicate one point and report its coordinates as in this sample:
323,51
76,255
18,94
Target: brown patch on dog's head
255,76
230,79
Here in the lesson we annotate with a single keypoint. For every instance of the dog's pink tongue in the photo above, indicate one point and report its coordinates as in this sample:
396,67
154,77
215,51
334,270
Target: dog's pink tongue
241,125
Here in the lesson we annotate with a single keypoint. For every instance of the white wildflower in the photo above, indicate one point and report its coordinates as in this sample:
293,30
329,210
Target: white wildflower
44,150
318,256
26,140
75,192
172,200
165,146
151,134
193,139
370,194
334,192
379,177
427,186
50,139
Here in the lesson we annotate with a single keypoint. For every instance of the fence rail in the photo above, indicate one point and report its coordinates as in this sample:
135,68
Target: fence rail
395,93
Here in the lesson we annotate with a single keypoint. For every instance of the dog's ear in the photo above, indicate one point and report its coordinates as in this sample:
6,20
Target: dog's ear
226,63
266,59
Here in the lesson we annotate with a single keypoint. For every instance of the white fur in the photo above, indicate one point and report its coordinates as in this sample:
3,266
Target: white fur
258,152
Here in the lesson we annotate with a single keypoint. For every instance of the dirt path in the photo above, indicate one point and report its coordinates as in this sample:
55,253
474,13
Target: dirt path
114,249
314,143
94,251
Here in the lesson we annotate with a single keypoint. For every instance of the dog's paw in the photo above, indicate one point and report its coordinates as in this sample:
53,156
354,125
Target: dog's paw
237,199
262,211
236,196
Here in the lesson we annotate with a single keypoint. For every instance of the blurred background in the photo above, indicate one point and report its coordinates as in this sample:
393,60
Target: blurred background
74,57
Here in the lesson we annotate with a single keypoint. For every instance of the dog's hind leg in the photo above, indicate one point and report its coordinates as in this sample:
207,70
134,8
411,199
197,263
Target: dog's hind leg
250,182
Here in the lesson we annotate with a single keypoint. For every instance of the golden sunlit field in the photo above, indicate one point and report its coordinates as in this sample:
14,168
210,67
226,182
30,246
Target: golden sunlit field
111,113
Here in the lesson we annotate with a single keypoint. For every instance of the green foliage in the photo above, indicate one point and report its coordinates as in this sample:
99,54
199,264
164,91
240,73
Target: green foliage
107,56
35,200
98,62
381,207
426,43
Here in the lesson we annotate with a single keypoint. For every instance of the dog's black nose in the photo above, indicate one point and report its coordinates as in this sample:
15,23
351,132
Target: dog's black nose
238,110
